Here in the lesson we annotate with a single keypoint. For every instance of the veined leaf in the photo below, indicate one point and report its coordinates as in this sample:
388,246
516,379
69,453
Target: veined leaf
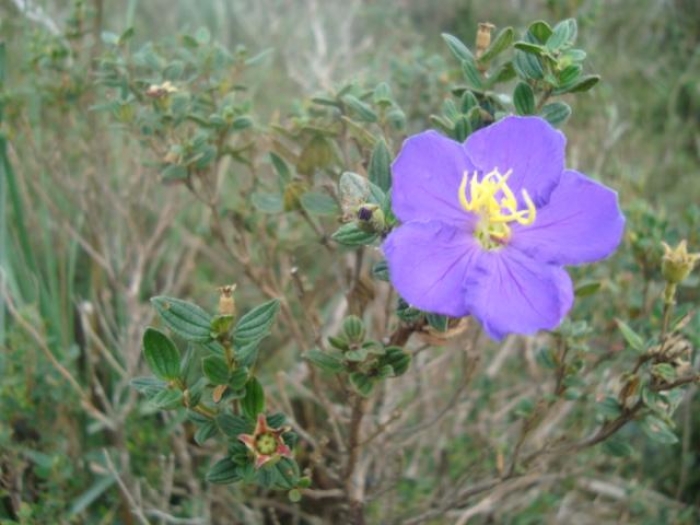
187,320
162,356
256,324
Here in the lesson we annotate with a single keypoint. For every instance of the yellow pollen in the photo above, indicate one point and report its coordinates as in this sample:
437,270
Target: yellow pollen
492,199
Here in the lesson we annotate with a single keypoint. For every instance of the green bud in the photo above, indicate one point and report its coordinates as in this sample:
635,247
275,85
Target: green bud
370,218
354,329
677,263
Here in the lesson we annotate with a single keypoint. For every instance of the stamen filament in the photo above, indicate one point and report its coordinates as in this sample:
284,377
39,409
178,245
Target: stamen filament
493,200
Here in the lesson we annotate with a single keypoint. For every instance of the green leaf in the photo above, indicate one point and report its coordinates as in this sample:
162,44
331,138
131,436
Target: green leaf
167,399
382,95
633,338
350,235
267,202
563,35
356,356
225,471
126,35
294,495
276,420
618,448
502,41
581,85
247,354
280,167
174,173
545,358
203,36
587,288
161,354
362,383
397,118
325,360
148,386
256,324
356,188
458,49
241,123
204,432
527,66
238,378
110,38
380,271
571,56
174,70
233,426
530,48
437,321
187,320
504,73
221,325
361,110
354,329
339,342
304,483
287,473
472,74
216,369
664,371
254,401
556,113
397,359
322,100
609,408
569,75
319,203
524,99
540,31
380,166
658,430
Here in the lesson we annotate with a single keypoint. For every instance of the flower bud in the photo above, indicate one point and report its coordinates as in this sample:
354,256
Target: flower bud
483,37
161,90
370,218
677,263
227,304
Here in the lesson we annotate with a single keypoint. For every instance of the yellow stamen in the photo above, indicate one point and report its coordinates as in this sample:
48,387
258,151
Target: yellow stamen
492,199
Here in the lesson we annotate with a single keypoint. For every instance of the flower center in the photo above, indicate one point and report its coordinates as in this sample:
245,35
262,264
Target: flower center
266,444
494,202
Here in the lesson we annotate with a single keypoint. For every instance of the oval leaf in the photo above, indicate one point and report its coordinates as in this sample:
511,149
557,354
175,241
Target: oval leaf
254,401
187,320
223,472
216,369
162,356
256,324
458,49
380,166
319,203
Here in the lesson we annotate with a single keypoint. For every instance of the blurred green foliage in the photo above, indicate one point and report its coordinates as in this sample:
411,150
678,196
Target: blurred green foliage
89,233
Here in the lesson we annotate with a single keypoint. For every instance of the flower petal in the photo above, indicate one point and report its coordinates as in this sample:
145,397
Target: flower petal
529,146
426,176
284,450
511,293
248,440
427,264
581,223
261,459
261,425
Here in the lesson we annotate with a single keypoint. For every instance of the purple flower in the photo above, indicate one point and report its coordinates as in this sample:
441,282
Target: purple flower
488,225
